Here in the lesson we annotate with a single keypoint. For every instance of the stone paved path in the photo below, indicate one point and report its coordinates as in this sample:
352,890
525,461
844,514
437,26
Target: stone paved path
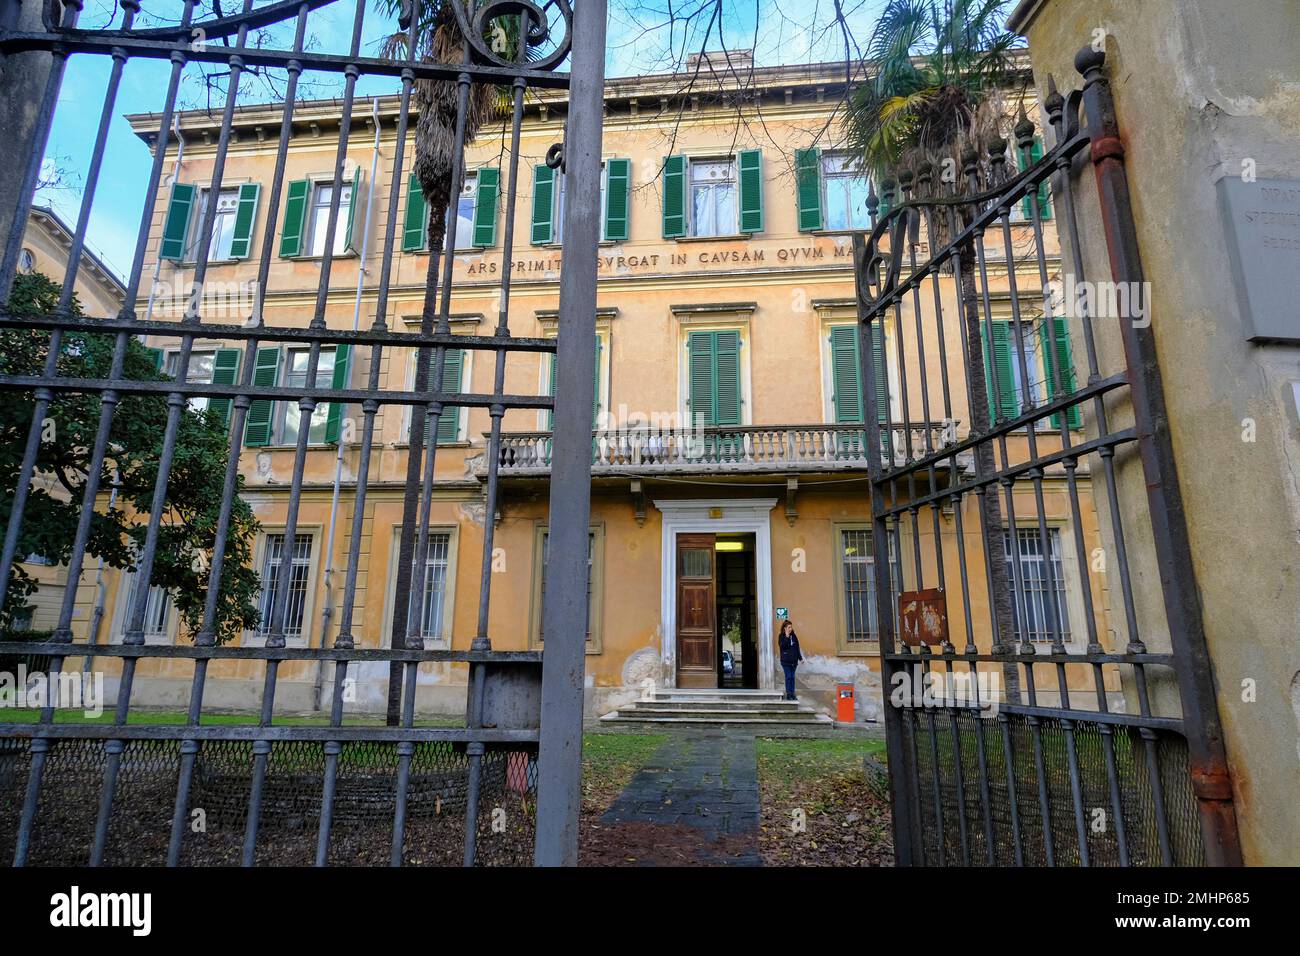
694,802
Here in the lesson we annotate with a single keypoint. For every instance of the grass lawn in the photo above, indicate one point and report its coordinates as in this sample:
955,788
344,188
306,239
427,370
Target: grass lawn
609,761
816,806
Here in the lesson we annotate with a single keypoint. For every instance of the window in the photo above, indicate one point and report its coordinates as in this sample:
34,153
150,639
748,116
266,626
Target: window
454,379
201,367
223,226
1030,365
157,608
1005,379
299,570
548,203
713,197
295,376
26,261
594,552
549,415
1033,603
856,599
465,205
718,196
845,190
557,231
857,570
21,619
433,622
318,218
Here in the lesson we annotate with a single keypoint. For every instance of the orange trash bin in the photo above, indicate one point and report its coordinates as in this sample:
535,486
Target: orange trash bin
844,703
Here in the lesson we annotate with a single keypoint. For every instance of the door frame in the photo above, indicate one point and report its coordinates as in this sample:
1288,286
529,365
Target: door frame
739,516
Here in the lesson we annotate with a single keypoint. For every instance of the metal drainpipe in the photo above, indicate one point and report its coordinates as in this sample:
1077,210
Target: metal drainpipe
328,613
176,177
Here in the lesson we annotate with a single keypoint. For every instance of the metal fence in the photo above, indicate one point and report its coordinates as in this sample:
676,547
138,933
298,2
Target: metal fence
1102,750
129,792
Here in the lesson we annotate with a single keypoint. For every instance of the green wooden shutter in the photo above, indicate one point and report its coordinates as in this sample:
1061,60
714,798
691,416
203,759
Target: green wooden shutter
1043,193
351,245
176,228
295,218
618,183
881,369
714,373
543,204
699,347
415,228
550,414
1064,365
751,190
997,367
846,376
449,422
156,355
342,358
808,188
241,242
485,208
265,375
595,400
225,369
674,197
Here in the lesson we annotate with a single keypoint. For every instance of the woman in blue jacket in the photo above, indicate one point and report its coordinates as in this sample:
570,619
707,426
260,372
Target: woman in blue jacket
790,656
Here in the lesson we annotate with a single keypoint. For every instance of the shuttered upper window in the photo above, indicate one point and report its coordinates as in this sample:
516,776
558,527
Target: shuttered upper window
232,225
848,405
475,211
714,377
713,196
1044,357
270,421
615,203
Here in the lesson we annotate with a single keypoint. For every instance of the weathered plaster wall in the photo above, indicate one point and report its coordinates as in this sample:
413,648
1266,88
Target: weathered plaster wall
1201,89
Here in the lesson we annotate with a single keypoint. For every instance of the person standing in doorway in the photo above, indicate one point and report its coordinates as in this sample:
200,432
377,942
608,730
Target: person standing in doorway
790,656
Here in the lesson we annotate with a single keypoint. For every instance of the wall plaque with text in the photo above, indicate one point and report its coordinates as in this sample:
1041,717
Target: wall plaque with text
1262,220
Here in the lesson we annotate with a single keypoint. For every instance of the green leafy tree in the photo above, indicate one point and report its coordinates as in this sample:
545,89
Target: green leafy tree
935,103
187,531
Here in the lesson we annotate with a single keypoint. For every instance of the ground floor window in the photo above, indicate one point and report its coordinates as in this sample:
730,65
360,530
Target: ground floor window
433,623
594,553
1033,603
299,571
857,569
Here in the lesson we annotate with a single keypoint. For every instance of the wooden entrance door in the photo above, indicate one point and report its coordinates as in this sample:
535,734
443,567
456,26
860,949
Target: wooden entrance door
697,642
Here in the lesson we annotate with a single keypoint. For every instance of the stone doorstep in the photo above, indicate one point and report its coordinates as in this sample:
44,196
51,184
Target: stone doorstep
704,713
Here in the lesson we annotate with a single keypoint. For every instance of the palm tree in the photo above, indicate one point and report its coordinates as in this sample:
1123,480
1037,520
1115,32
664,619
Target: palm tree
940,70
438,38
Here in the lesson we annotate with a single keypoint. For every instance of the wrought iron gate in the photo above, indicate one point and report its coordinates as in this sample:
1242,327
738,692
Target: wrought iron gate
1102,750
123,792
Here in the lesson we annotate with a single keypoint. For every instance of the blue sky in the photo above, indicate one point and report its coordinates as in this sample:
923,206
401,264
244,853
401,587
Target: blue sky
639,42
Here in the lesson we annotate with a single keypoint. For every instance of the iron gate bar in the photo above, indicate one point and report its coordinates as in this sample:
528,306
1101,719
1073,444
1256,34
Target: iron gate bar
564,612
122,45
904,481
371,336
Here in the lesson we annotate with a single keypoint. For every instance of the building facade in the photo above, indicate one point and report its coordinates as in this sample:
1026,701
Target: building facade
729,481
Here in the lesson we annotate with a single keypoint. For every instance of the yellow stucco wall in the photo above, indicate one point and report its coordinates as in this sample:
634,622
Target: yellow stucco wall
1197,103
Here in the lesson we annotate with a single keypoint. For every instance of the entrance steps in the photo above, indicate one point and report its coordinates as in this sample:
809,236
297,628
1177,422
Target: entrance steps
759,710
